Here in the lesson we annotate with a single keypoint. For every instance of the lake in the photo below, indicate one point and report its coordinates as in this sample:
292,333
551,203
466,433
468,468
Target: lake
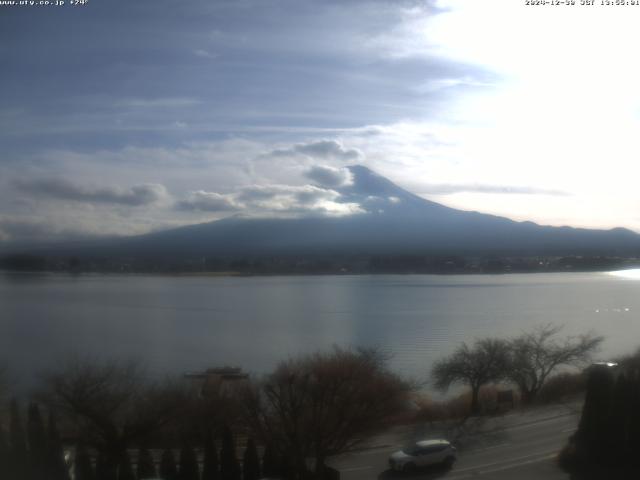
178,324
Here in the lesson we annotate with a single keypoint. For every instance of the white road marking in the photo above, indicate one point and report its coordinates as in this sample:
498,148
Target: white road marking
490,447
527,425
510,460
477,472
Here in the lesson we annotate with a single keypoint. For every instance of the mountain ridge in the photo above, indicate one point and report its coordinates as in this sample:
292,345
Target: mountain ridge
394,222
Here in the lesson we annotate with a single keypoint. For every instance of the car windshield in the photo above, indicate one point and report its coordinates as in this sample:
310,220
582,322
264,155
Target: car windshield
411,450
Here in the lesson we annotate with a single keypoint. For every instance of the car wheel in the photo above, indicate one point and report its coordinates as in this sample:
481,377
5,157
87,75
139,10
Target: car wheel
409,468
448,462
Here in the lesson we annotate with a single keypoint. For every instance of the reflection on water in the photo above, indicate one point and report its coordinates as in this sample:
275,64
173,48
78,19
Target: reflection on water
177,324
632,273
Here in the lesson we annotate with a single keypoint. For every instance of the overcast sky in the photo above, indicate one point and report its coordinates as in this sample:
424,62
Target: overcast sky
121,117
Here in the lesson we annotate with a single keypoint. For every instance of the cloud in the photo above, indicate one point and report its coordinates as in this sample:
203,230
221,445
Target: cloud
28,230
322,80
208,202
171,102
137,195
439,84
205,54
445,189
272,200
282,197
322,149
330,177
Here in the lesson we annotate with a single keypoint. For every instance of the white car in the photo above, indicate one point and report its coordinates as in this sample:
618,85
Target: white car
422,454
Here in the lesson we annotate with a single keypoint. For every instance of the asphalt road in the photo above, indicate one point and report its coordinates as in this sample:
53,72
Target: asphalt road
510,448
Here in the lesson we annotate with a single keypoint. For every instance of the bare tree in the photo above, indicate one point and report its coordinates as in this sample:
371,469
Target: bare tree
474,366
324,404
537,354
110,403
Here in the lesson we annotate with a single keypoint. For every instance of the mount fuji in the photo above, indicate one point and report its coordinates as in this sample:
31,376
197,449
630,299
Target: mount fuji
393,221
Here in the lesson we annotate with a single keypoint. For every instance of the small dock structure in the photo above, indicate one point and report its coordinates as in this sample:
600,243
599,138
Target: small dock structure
217,379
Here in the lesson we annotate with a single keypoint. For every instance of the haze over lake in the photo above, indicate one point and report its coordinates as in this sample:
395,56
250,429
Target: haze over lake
178,324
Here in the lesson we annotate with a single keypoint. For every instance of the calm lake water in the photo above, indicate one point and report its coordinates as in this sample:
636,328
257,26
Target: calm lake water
177,324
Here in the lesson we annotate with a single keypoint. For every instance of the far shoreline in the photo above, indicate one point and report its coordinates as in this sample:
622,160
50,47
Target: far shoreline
238,274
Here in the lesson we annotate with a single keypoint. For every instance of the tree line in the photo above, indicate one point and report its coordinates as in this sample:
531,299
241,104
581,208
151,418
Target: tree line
32,453
36,453
527,361
288,422
608,434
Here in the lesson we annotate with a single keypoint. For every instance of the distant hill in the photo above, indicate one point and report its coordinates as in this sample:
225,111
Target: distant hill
395,222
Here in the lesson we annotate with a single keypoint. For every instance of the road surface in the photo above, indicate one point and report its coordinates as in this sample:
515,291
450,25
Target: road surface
514,446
